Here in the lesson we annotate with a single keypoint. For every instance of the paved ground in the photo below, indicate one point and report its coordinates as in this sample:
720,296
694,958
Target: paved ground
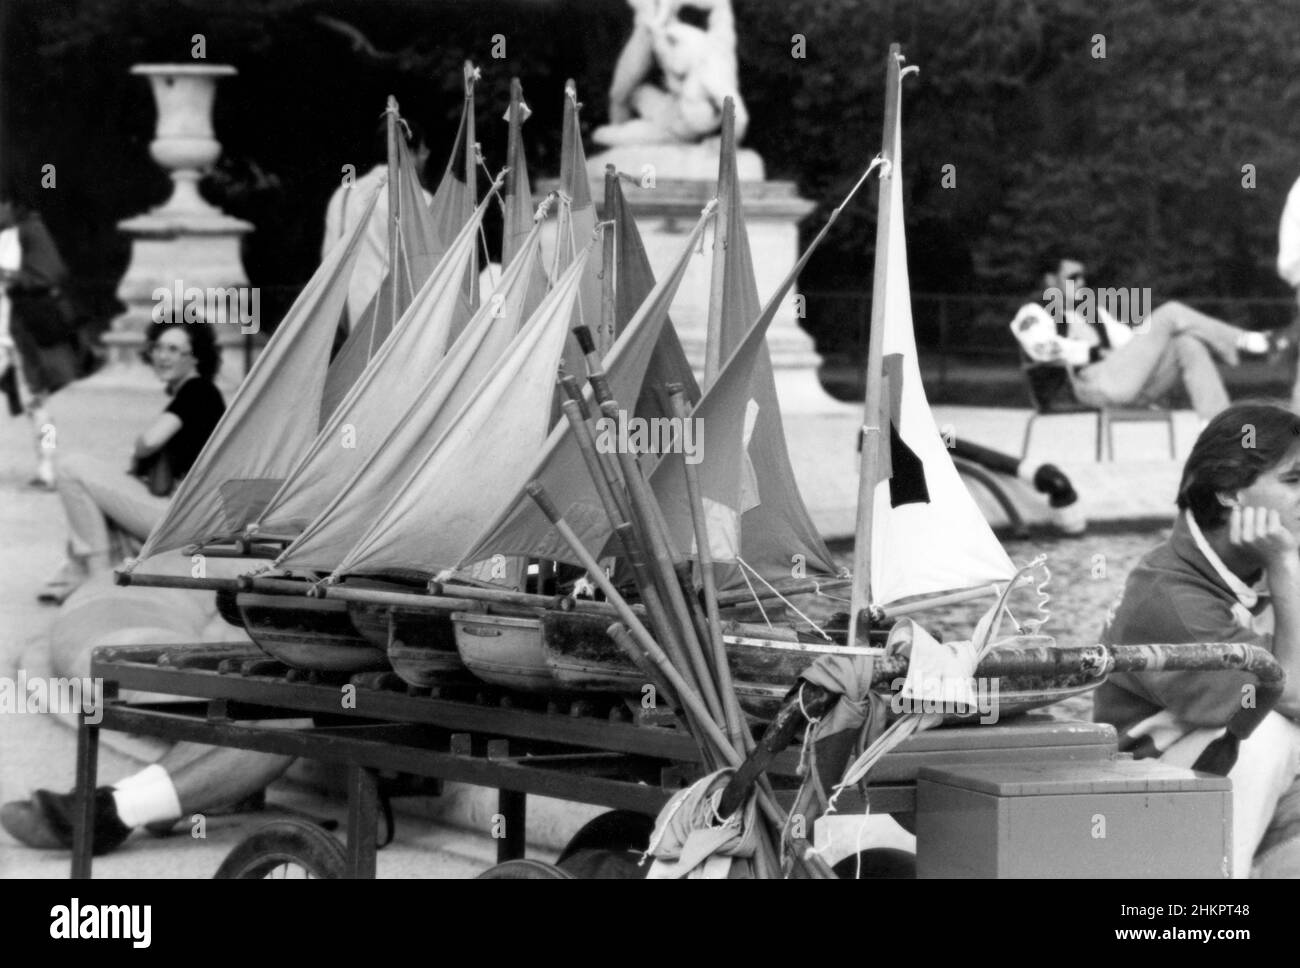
38,751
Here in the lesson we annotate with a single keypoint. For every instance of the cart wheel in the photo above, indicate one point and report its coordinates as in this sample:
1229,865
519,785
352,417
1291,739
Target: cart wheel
609,847
879,863
525,870
285,849
616,830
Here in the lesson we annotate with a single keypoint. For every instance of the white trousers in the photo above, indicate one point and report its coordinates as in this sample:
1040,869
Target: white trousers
1267,765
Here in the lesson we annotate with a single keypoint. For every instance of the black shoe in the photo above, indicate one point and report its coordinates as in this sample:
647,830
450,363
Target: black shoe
52,816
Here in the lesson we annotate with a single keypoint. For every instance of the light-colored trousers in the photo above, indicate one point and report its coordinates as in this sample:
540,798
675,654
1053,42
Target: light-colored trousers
95,492
1177,346
1268,764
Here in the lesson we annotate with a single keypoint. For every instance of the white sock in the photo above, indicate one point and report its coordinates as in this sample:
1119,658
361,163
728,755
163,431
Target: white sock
1253,342
146,797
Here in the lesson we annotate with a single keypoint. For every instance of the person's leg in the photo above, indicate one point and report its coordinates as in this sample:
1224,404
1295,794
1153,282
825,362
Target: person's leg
1223,339
93,491
112,492
1120,378
1149,366
1267,764
1189,363
43,437
225,776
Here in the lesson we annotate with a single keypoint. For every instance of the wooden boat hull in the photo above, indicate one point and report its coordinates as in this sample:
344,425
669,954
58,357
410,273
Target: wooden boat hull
420,643
505,650
567,652
308,633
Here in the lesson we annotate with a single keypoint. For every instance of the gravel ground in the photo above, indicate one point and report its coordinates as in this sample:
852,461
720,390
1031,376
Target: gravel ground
1087,575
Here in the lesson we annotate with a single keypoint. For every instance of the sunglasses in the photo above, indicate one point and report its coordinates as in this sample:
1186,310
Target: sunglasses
162,349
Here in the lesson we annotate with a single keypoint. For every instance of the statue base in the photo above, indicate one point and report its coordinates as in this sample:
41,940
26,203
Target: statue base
185,249
673,184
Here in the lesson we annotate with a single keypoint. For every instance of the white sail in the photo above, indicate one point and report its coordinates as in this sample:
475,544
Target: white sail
942,543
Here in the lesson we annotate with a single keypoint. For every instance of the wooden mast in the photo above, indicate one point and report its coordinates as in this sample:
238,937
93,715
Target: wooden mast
394,214
726,168
605,331
872,435
471,174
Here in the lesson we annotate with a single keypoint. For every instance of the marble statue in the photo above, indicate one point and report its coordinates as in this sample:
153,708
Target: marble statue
699,70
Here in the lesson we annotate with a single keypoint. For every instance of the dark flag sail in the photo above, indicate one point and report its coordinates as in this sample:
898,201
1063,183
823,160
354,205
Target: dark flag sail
753,505
521,529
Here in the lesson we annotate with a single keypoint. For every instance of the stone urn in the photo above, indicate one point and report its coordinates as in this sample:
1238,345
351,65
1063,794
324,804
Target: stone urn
185,243
184,143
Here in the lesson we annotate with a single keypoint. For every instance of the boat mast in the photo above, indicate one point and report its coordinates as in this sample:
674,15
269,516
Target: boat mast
394,203
872,437
471,173
726,169
605,331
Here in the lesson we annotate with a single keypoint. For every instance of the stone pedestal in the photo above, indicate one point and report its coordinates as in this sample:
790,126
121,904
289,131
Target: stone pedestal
675,182
185,242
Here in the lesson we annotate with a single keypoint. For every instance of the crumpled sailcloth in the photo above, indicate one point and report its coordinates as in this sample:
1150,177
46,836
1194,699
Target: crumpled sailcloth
690,842
428,410
522,529
453,487
272,419
380,396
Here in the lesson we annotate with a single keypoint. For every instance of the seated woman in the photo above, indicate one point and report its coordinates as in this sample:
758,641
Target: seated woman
1229,572
95,493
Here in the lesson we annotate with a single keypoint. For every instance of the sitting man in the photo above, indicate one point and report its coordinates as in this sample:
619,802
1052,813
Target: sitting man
1229,572
1117,365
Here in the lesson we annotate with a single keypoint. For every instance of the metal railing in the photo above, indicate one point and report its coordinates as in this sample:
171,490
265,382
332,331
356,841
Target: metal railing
959,328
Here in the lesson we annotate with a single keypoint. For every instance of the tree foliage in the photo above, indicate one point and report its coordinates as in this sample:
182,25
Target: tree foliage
1134,160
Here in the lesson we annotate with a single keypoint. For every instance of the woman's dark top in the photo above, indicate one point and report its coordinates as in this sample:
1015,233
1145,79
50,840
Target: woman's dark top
199,406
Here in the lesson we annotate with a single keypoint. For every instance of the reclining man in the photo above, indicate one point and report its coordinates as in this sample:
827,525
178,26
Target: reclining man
1229,572
1116,365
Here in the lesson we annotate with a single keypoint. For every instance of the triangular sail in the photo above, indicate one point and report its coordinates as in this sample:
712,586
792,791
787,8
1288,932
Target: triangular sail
380,396
577,219
272,418
424,234
518,197
453,486
521,529
927,534
454,201
431,408
776,533
636,281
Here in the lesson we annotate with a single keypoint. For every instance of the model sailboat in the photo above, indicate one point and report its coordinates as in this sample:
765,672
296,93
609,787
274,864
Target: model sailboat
438,492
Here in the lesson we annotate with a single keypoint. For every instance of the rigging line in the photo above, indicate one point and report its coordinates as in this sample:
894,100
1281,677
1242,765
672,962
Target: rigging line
487,259
817,628
564,222
757,601
478,154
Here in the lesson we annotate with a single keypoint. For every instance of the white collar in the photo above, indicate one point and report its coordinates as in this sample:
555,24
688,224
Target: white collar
1245,594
